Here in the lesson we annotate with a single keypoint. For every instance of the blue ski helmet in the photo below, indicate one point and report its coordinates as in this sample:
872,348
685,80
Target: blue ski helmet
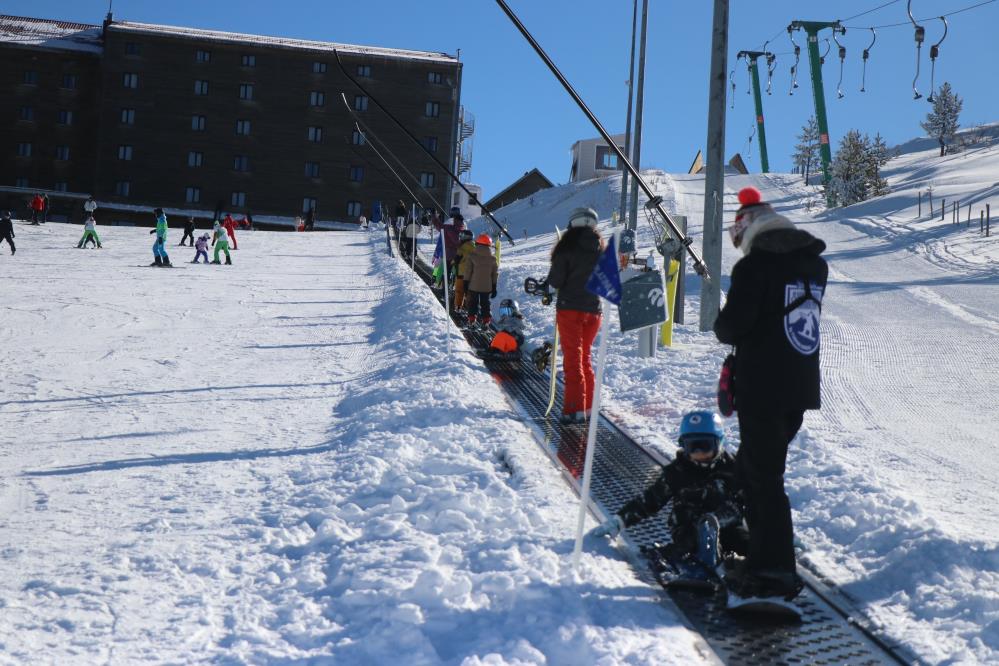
701,432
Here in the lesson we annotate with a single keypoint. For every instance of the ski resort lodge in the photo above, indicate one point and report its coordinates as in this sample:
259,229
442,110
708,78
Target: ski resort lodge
143,115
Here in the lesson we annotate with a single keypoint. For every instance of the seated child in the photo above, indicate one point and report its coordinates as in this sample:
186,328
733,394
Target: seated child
707,517
509,328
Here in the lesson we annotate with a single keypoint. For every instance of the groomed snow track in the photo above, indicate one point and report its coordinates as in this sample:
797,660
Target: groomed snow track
829,633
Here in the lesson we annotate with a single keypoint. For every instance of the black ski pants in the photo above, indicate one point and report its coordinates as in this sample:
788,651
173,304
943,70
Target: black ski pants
477,305
10,241
760,465
188,234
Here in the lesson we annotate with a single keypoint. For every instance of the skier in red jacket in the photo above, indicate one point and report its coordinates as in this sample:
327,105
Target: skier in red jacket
37,208
230,229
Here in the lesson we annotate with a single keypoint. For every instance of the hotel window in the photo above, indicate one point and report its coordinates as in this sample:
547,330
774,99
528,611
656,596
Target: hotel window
62,153
124,152
26,113
243,127
193,195
61,186
353,208
69,81
200,87
316,134
317,98
130,80
195,159
241,163
246,91
238,199
432,110
203,56
435,77
248,61
430,143
356,174
128,116
360,103
21,182
358,138
312,169
318,67
364,70
30,77
24,150
198,123
427,179
123,188
65,117
308,203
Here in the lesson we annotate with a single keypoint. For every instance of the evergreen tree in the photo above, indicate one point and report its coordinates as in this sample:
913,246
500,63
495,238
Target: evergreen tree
806,151
942,122
878,156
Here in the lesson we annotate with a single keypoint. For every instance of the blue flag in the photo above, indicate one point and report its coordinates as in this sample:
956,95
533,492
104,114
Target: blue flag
605,281
439,250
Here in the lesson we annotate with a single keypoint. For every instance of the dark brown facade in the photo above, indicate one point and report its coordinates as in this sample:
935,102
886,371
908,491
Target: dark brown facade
531,182
196,121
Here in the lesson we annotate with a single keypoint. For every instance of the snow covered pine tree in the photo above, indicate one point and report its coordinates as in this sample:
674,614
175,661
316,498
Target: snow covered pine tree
942,122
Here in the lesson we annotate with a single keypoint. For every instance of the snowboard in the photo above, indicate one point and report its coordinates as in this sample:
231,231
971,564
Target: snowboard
684,572
776,607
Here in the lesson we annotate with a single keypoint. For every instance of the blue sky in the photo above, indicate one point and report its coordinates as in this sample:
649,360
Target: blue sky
525,119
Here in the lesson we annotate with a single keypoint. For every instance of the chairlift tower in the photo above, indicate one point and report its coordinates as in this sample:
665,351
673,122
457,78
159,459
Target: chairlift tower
751,57
812,29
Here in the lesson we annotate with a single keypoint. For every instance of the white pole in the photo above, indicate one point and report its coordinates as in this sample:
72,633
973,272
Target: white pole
447,298
591,437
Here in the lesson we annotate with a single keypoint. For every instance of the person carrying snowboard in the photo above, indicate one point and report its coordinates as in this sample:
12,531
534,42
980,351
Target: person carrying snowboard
7,230
160,257
188,232
89,234
481,278
202,249
221,243
771,317
577,310
707,516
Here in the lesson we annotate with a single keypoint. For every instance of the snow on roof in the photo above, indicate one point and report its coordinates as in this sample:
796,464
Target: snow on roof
49,34
279,42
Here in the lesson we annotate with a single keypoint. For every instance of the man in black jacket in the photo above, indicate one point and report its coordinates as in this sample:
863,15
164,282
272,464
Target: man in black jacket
7,231
771,316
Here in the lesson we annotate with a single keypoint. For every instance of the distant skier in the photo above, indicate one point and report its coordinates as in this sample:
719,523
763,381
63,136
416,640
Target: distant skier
452,228
230,229
188,232
706,520
400,216
202,248
7,230
89,207
37,206
481,277
89,234
362,222
160,257
309,224
774,290
221,243
407,239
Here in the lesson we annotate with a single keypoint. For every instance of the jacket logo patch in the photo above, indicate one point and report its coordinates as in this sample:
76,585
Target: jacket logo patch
801,325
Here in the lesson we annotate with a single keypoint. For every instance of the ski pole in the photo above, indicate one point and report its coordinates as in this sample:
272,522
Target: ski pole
699,266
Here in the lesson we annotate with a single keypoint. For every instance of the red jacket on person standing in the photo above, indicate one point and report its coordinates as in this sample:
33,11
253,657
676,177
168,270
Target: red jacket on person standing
230,229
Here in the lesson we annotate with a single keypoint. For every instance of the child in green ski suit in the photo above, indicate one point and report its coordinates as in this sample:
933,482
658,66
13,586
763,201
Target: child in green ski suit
89,233
221,243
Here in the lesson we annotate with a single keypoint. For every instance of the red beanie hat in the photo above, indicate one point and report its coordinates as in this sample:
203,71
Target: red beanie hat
750,196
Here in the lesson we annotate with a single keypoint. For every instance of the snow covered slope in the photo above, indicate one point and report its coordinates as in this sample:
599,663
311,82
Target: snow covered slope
276,462
894,481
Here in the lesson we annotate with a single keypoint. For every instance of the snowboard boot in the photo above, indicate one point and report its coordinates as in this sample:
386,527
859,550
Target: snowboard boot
485,322
156,261
166,262
228,261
